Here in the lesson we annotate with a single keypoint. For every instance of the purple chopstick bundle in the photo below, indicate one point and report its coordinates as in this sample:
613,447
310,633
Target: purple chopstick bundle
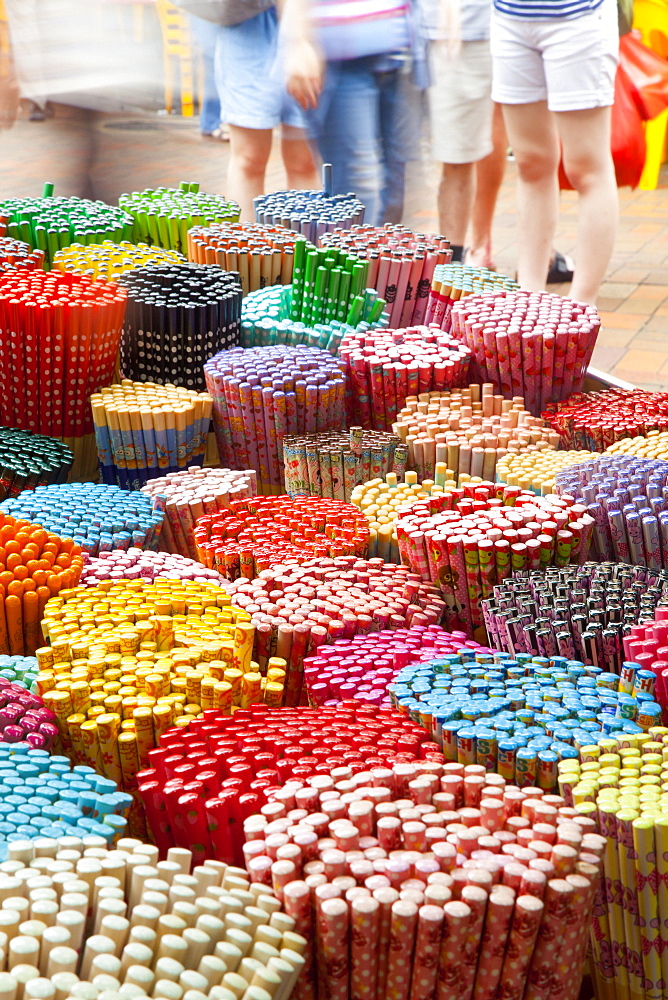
262,394
24,718
628,499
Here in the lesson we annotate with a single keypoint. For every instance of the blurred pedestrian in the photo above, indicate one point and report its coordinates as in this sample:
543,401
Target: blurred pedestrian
254,102
399,80
554,64
80,57
489,173
460,107
204,35
348,67
9,89
78,53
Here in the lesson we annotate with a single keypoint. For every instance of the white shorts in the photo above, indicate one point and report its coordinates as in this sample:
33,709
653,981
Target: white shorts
568,62
460,105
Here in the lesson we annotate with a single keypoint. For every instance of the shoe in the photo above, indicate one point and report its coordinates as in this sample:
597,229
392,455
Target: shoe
219,134
561,269
37,114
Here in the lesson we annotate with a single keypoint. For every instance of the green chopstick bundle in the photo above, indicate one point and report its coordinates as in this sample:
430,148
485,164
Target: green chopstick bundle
163,216
51,224
30,460
329,284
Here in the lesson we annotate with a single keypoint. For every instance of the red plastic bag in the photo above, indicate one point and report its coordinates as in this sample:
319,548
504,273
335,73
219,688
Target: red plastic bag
647,72
628,137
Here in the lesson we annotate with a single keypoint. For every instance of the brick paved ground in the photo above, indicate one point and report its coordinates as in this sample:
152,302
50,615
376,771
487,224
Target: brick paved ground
164,150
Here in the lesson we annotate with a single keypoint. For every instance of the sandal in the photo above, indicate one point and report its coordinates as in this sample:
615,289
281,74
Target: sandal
219,134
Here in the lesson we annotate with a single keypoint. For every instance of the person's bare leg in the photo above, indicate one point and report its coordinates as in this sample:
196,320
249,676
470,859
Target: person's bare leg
249,154
455,201
532,135
585,138
489,177
298,159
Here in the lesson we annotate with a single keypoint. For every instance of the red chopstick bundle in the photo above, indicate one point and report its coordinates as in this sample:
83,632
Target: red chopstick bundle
384,367
226,764
258,532
593,421
532,344
59,337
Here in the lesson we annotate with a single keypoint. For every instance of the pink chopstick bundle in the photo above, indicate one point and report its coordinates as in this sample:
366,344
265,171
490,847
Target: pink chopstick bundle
363,667
470,539
532,344
429,881
135,564
383,611
384,367
401,265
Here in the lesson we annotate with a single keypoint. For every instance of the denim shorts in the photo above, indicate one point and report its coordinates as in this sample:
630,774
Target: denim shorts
250,85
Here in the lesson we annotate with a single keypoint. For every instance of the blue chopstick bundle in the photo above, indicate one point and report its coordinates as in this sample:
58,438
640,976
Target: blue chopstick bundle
44,796
99,518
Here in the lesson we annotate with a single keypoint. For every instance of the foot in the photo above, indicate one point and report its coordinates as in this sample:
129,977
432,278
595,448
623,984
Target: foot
480,257
561,269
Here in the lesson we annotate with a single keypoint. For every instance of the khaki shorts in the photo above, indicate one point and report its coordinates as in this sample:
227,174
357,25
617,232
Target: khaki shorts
460,103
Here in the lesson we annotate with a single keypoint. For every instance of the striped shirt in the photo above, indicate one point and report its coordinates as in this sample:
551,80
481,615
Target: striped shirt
545,10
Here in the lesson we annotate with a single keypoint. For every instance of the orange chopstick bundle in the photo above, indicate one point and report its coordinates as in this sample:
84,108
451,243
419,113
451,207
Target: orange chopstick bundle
34,566
262,255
